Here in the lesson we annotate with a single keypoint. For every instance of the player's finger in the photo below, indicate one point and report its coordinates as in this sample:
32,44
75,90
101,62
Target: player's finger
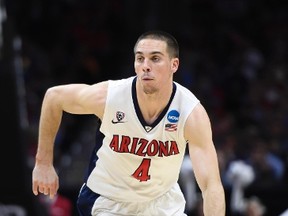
35,188
54,189
57,186
41,189
46,190
52,193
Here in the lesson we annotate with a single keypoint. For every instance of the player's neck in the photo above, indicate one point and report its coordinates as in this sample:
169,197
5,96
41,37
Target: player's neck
151,105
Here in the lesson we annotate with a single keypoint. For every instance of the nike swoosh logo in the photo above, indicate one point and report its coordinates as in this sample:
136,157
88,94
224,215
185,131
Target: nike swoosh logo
116,122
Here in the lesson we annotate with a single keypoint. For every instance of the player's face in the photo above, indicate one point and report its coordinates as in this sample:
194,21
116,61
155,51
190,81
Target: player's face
153,65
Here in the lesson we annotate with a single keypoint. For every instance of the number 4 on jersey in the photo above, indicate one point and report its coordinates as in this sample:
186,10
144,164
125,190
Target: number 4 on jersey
141,173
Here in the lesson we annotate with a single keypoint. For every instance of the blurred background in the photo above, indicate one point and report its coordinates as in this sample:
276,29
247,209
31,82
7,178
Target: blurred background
233,57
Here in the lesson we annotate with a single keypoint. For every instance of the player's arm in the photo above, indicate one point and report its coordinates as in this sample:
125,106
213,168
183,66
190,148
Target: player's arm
204,161
74,99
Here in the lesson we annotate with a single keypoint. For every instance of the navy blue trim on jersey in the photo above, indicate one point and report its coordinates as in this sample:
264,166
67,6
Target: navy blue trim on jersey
93,158
85,201
87,197
138,111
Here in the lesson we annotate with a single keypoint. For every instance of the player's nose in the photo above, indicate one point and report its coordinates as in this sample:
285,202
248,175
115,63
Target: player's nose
146,66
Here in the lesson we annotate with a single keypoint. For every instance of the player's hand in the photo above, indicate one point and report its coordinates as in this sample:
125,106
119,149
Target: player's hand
45,180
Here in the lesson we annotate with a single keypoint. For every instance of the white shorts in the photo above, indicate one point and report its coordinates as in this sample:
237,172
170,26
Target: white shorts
171,203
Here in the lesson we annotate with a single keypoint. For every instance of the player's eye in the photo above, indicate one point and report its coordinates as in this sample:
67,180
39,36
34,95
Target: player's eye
139,59
155,59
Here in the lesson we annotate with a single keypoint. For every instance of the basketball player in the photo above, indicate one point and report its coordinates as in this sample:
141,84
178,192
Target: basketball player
146,123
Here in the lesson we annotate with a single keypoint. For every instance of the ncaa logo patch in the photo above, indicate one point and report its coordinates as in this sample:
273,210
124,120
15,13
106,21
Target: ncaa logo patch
173,116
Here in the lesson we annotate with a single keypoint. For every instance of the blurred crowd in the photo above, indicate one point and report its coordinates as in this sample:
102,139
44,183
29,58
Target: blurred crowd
233,56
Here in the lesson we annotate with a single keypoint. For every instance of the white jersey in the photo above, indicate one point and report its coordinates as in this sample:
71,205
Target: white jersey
137,161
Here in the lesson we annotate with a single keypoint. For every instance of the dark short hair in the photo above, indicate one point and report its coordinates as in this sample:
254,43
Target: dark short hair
172,44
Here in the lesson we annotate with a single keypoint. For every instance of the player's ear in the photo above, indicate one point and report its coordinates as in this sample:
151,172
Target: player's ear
174,64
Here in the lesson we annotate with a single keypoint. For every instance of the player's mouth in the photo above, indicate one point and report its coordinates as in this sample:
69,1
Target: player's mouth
147,78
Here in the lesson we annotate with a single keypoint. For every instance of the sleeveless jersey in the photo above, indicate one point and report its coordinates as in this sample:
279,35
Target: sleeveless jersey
139,162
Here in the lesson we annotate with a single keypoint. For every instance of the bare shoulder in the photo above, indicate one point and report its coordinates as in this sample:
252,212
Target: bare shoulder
198,115
98,90
93,97
198,126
